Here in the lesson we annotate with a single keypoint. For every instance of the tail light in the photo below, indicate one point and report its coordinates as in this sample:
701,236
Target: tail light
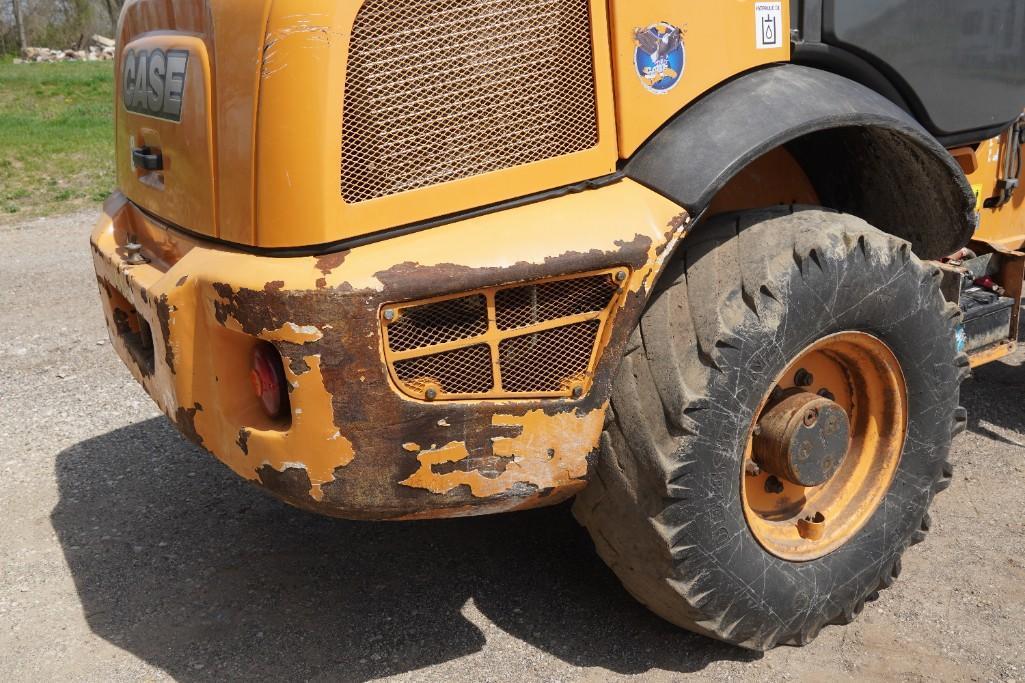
268,378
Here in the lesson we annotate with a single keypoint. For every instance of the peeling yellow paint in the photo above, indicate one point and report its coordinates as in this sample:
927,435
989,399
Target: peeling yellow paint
536,458
291,333
313,435
549,453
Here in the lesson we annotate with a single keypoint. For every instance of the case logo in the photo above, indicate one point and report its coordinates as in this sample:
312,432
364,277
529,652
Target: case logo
153,82
660,56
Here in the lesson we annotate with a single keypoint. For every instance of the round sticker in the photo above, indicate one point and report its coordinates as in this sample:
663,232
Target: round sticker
660,56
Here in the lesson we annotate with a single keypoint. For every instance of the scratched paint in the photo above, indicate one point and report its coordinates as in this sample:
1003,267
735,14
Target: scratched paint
549,452
354,445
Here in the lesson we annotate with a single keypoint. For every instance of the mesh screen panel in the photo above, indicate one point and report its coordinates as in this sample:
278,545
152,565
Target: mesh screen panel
440,90
533,304
437,323
463,371
547,361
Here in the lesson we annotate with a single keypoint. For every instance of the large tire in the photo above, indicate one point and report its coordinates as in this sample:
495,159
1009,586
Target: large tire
749,292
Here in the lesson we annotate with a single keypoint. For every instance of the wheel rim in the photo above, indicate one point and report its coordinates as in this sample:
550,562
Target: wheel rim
807,486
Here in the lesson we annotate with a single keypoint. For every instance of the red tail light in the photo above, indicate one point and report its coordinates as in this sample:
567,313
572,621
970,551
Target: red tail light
268,378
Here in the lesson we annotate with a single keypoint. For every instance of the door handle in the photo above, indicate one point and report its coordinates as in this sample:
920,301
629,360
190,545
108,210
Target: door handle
146,159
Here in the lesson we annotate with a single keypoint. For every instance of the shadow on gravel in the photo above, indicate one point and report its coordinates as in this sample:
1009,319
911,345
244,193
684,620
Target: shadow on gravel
185,566
993,397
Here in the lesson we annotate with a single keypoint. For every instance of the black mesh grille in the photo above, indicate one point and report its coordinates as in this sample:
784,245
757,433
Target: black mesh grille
553,360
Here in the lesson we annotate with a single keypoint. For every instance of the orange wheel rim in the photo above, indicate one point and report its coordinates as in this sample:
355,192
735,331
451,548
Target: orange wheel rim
849,381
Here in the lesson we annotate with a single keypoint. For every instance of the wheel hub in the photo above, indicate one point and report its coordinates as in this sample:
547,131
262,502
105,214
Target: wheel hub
824,446
803,439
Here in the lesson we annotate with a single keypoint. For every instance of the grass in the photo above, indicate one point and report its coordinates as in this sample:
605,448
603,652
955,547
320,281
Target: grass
56,137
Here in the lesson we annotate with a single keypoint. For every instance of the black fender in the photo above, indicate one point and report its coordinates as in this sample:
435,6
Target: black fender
864,155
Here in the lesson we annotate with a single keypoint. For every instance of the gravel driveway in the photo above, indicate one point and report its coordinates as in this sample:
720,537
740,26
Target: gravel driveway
128,554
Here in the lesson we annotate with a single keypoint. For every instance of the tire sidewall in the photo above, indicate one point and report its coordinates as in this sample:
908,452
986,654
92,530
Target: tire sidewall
867,287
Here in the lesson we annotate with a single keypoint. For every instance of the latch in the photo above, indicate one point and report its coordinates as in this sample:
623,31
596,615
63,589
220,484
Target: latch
1008,182
147,159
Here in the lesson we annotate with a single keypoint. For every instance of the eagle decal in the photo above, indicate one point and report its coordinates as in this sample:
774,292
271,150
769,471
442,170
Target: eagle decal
660,56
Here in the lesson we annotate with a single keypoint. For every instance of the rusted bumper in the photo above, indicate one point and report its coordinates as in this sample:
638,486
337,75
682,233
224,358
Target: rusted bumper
187,315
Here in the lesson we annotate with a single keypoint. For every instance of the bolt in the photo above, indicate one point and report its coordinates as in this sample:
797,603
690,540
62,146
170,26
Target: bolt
135,256
827,394
431,394
389,315
551,452
752,469
803,378
621,276
578,391
773,485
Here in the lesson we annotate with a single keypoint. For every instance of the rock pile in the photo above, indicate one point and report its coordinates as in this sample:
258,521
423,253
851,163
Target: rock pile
100,49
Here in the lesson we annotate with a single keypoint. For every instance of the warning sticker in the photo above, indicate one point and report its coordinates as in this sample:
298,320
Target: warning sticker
977,189
769,30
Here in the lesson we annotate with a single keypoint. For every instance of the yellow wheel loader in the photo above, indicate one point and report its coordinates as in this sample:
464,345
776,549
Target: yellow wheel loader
714,269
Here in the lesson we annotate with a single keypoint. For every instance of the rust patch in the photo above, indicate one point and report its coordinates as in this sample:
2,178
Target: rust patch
327,263
298,366
243,440
186,421
532,459
274,287
321,283
679,220
164,310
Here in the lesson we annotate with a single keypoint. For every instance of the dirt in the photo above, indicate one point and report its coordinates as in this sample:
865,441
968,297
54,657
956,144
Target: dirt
126,553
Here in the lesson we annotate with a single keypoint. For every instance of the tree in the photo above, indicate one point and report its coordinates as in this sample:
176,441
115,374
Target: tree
20,23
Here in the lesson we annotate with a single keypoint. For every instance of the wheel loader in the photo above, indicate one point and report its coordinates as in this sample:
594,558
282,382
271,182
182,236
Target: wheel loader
714,269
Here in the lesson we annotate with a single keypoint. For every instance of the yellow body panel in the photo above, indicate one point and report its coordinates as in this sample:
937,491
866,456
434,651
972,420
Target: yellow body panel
720,41
1003,226
265,110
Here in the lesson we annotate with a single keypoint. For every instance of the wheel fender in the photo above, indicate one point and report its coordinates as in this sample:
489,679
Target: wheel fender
863,154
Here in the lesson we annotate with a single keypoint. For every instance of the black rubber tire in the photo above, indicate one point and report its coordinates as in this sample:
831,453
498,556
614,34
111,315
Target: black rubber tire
749,292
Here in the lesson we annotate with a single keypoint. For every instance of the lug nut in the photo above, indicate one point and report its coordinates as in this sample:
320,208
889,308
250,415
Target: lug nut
812,528
773,485
803,378
826,393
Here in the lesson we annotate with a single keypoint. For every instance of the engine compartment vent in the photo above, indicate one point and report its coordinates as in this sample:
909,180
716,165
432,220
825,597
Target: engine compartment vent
441,90
535,340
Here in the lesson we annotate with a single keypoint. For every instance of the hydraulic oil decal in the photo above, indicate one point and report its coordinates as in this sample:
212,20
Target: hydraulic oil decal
660,56
153,83
768,25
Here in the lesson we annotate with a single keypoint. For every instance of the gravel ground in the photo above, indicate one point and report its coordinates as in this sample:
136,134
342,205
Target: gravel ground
128,554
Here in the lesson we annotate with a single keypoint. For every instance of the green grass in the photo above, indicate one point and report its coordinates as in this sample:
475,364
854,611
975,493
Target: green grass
56,137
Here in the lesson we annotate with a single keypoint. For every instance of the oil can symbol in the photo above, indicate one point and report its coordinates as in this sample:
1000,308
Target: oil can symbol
769,30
